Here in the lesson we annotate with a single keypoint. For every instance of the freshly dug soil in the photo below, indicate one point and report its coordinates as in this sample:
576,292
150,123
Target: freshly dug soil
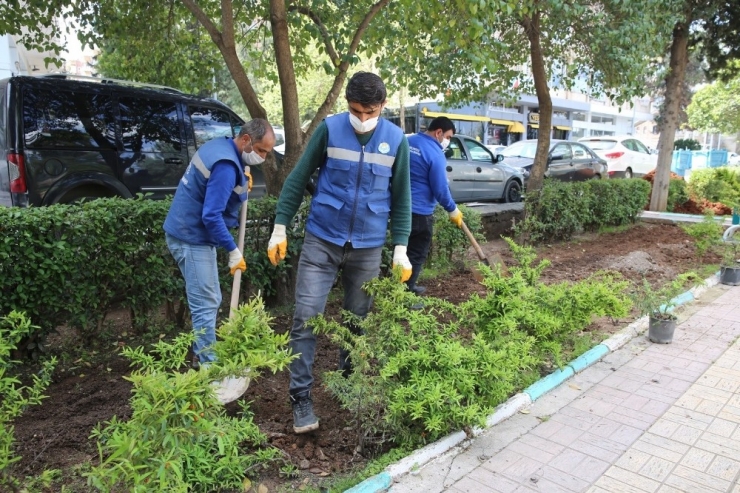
55,434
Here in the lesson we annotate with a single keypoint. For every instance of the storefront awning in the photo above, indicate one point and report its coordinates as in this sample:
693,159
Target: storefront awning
455,116
534,125
516,128
562,127
502,122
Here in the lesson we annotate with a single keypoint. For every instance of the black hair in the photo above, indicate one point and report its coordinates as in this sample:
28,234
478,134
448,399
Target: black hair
256,128
441,122
365,88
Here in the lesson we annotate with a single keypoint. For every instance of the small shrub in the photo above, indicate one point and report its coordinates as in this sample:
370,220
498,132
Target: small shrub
715,185
179,437
677,194
687,144
15,397
658,303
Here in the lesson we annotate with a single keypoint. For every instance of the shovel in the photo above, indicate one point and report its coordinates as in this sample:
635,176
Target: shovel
231,388
489,261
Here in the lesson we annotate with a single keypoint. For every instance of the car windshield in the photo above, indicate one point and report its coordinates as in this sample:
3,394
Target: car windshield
600,145
521,149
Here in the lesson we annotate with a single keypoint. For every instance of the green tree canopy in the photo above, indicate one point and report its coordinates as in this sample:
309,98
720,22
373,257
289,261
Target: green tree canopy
716,107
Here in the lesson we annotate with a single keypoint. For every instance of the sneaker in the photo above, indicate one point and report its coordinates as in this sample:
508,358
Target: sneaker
195,363
304,420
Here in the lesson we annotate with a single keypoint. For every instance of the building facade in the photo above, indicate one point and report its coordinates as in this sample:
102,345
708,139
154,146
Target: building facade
575,115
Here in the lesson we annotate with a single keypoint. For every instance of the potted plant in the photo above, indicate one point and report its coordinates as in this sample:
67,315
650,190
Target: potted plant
729,272
658,305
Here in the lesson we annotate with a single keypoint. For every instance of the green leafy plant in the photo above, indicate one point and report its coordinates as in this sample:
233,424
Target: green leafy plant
715,185
708,238
687,144
14,396
179,437
658,302
677,194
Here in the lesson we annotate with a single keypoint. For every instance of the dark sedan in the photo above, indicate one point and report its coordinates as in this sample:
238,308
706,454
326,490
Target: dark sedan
566,161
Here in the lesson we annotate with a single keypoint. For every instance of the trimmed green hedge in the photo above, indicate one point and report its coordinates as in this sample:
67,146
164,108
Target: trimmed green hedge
560,210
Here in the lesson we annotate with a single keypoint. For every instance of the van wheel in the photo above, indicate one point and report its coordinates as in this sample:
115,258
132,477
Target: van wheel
513,192
81,194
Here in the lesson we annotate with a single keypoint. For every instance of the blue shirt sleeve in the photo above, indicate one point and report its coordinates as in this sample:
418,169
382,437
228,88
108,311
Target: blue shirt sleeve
438,180
220,185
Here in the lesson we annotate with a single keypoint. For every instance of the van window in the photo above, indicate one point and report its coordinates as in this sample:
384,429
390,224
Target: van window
149,125
53,119
209,123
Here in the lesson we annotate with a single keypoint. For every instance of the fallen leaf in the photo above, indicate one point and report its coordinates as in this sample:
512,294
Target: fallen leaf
262,489
574,386
161,336
525,411
246,484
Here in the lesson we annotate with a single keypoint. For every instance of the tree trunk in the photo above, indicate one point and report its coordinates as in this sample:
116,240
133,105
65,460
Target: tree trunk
275,178
671,113
537,175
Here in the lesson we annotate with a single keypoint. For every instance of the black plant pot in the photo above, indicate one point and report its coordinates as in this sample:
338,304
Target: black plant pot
661,330
730,275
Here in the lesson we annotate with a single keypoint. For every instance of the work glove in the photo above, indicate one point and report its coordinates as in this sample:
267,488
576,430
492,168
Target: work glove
236,261
456,217
401,261
278,245
249,179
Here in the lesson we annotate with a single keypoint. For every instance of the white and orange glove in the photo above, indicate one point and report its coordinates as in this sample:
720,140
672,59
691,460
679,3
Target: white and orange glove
401,261
456,217
249,181
278,245
236,261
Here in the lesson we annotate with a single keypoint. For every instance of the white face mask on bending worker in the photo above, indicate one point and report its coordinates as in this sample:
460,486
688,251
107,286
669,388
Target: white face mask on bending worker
444,143
252,158
363,127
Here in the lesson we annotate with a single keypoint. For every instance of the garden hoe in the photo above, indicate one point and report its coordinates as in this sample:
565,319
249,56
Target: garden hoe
490,261
231,388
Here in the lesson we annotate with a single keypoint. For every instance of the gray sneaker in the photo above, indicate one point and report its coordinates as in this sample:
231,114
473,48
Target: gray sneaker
304,420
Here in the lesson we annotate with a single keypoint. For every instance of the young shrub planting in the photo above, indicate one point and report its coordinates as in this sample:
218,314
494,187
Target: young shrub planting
14,396
715,185
553,315
179,437
416,378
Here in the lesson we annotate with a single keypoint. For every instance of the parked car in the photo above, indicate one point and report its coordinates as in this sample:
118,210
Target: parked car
475,173
65,138
733,159
567,161
495,149
625,155
279,138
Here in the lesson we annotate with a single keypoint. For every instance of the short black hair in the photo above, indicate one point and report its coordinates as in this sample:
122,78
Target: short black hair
366,88
441,122
256,128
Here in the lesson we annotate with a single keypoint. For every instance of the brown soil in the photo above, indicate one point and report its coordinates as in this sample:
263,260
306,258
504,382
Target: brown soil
55,434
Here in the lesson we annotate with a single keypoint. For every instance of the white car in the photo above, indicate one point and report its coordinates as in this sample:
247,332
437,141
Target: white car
733,159
625,155
279,138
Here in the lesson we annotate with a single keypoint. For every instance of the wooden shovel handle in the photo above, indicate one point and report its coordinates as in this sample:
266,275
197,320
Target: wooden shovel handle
236,285
478,250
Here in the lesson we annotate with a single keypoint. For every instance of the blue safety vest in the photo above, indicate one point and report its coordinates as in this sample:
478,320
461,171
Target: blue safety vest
184,218
352,201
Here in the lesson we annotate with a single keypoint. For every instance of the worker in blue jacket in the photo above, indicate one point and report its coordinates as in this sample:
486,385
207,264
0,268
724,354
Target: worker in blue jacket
206,204
428,187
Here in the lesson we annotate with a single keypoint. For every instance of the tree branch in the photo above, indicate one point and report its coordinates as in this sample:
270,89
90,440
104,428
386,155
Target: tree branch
227,21
205,21
322,28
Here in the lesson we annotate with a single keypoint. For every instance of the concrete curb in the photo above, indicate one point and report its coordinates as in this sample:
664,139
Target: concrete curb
382,481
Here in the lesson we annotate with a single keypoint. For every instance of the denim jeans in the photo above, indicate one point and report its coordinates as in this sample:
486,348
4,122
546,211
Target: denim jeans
200,271
422,228
317,269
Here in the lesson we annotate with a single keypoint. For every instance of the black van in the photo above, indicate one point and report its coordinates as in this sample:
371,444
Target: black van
64,138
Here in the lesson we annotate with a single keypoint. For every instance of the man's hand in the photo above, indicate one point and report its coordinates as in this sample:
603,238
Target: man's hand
401,261
456,217
278,245
236,261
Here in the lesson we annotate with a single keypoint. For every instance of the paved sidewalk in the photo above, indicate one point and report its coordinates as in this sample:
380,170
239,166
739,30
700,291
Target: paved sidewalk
647,418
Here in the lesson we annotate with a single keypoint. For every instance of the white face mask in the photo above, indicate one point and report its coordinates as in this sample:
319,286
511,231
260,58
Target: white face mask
363,127
445,143
252,158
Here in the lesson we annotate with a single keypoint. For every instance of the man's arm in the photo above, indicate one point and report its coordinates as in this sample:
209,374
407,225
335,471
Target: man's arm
401,196
218,190
438,181
291,195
